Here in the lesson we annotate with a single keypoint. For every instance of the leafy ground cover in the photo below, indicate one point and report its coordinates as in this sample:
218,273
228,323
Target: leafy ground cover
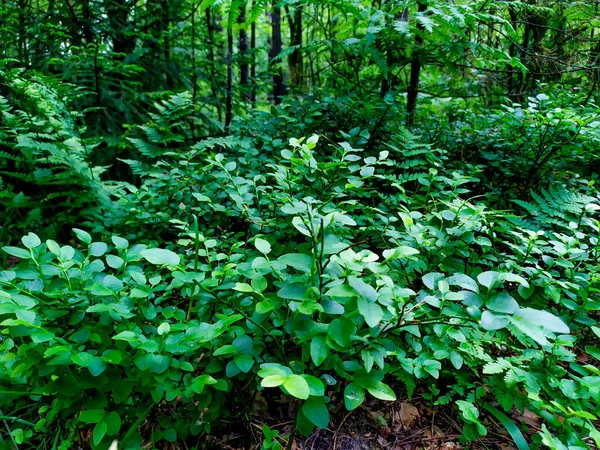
318,273
393,243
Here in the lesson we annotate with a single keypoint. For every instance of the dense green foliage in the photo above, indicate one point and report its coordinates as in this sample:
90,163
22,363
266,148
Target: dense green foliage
409,209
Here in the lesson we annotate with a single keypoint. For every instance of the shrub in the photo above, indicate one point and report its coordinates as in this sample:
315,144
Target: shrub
340,281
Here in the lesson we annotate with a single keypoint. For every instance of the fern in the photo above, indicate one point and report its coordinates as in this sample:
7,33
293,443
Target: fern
409,382
496,367
555,207
256,10
44,160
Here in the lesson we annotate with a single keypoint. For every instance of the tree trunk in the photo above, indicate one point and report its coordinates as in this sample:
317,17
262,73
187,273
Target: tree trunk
512,82
278,87
415,72
211,62
229,100
253,62
295,60
243,50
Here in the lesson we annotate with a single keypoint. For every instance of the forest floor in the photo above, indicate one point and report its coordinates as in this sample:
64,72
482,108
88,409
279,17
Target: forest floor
376,425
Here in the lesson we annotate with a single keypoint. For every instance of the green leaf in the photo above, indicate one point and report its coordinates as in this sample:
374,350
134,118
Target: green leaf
593,351
262,246
99,432
158,363
120,242
100,290
400,252
163,328
97,366
298,261
113,423
341,291
319,350
16,251
502,302
128,336
547,320
113,283
226,350
268,369
83,236
372,312
31,240
114,261
83,359
538,324
259,282
98,249
244,362
490,321
488,279
468,411
316,411
293,291
53,247
160,256
512,429
317,389
341,331
272,381
464,281
354,395
297,386
243,287
376,388
364,290
100,307
91,415
456,360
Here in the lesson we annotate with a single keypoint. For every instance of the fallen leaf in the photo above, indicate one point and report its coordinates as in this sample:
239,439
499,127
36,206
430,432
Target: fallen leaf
408,414
381,441
449,446
531,419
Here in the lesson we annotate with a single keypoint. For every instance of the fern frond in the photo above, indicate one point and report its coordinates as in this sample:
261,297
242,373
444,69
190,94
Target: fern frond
496,367
409,382
257,9
554,207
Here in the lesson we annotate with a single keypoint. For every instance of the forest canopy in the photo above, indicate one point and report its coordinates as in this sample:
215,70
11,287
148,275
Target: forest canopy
330,224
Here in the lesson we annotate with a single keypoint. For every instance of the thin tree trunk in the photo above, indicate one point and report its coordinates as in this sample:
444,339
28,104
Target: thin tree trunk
211,59
415,72
229,100
194,70
278,87
243,49
295,60
253,63
512,52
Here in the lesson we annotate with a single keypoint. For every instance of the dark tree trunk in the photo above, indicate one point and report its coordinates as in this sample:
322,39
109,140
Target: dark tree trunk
253,62
229,99
415,72
211,62
295,60
512,82
278,87
243,49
